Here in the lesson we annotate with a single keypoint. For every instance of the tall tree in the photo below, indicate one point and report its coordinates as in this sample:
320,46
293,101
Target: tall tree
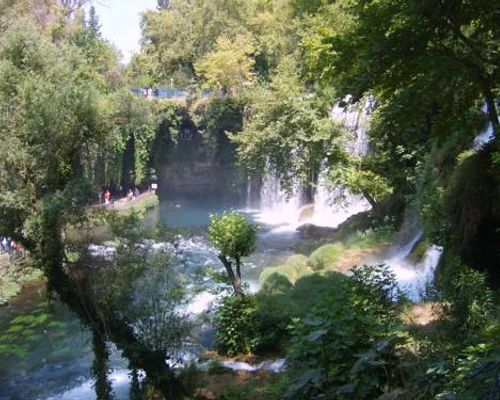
229,65
93,24
445,52
287,130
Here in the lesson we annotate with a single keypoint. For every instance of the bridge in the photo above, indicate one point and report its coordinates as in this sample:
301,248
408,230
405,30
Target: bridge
168,93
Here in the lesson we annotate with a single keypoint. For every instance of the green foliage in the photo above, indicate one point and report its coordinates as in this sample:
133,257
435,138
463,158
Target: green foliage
13,276
234,324
284,276
8,290
469,300
362,181
251,324
346,346
232,235
476,374
180,36
174,38
326,256
286,131
369,238
228,66
379,283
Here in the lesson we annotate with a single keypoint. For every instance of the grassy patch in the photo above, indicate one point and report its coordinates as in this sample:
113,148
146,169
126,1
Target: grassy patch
12,278
370,238
144,203
294,268
326,256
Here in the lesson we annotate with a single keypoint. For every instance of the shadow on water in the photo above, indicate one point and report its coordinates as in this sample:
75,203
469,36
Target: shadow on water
107,358
45,353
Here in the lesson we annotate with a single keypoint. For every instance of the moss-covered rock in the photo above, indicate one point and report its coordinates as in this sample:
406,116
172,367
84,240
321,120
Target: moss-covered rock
326,256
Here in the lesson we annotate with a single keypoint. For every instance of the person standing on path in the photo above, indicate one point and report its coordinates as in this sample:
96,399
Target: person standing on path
107,196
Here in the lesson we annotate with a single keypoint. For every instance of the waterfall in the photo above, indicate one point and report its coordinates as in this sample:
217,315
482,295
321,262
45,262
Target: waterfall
485,135
249,193
280,208
277,207
328,212
355,118
411,276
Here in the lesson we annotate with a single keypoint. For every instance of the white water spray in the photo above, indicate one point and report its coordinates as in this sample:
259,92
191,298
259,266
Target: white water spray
486,135
411,276
286,211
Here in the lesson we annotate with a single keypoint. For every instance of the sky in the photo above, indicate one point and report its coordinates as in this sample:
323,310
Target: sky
120,22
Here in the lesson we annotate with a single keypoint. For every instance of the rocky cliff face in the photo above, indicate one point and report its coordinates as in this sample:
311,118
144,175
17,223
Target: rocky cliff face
197,165
198,179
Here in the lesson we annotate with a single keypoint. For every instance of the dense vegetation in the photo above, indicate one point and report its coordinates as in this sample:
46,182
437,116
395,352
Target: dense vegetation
70,127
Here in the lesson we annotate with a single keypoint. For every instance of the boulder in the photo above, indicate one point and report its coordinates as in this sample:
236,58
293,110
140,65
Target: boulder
311,231
306,212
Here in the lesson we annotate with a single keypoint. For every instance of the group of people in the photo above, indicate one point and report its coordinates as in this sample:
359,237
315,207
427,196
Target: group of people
8,245
107,197
131,195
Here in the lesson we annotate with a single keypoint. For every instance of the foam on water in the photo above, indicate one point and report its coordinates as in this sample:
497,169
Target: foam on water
277,365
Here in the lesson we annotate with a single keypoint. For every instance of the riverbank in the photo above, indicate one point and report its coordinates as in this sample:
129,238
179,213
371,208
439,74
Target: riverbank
145,201
15,271
15,274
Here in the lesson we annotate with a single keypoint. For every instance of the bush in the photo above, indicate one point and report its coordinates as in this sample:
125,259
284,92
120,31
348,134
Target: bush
346,347
469,300
234,325
252,324
325,256
271,320
477,373
294,268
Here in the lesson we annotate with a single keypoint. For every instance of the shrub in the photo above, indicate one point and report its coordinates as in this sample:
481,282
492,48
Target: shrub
477,373
252,324
346,347
325,256
294,268
469,300
271,320
377,283
234,325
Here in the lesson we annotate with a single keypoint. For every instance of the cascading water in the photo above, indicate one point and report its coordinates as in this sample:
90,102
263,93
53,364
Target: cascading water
284,209
331,214
355,118
486,135
412,277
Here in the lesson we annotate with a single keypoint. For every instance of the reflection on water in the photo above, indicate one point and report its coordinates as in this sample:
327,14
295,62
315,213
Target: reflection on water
46,354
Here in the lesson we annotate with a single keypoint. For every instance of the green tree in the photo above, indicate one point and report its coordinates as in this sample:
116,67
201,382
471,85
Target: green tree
93,24
288,130
229,65
445,53
234,238
176,37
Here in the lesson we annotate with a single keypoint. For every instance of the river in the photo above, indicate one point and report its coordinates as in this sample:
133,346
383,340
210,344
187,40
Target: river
45,353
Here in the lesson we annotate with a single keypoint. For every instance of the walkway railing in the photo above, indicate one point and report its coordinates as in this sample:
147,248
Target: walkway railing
164,93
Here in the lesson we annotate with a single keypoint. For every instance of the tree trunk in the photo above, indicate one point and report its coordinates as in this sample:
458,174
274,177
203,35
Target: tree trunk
102,385
238,268
369,198
235,279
